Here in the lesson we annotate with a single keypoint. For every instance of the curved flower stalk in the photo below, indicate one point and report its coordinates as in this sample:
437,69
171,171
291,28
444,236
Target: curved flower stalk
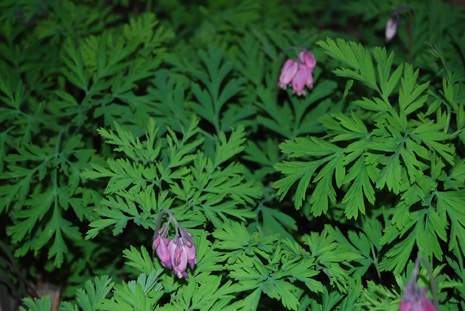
176,253
298,73
415,298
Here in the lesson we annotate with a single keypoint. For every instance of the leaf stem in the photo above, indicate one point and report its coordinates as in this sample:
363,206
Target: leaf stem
375,261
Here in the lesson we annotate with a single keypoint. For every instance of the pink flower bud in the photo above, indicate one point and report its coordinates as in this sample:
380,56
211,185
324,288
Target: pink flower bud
309,82
301,79
287,73
308,59
191,259
415,298
391,27
178,256
163,252
189,247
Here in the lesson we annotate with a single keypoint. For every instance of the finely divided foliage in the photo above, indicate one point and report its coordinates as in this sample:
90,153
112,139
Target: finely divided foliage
348,196
384,146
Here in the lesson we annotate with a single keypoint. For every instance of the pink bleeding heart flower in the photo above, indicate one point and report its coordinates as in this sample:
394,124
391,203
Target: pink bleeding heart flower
415,298
288,72
190,248
298,73
308,59
191,259
309,81
178,254
391,27
302,78
163,253
160,245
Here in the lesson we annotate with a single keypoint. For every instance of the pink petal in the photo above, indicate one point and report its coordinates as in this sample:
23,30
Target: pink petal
391,29
172,250
309,82
179,259
191,259
287,73
300,79
307,58
163,252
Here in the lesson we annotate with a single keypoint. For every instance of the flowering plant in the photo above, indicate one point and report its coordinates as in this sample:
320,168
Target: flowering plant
415,298
298,72
233,155
174,253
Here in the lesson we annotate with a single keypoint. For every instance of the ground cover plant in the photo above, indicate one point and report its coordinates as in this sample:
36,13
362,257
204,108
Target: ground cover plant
232,155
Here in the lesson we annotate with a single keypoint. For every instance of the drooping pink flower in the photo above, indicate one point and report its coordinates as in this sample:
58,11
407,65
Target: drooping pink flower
298,73
190,248
391,27
308,59
163,253
288,72
178,254
160,245
302,78
415,298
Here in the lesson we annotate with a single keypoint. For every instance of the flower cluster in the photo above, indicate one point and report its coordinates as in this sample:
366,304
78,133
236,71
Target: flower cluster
298,72
174,253
415,298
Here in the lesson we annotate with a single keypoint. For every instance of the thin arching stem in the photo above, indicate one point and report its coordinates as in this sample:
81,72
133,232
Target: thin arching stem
171,220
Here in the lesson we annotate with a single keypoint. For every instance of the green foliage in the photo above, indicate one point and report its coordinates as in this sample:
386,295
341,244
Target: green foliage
397,141
42,304
112,111
186,180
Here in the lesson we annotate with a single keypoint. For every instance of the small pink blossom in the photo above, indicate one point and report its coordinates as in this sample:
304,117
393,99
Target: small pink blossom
301,79
160,244
176,253
308,59
163,254
191,259
190,248
415,298
287,73
298,73
391,27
